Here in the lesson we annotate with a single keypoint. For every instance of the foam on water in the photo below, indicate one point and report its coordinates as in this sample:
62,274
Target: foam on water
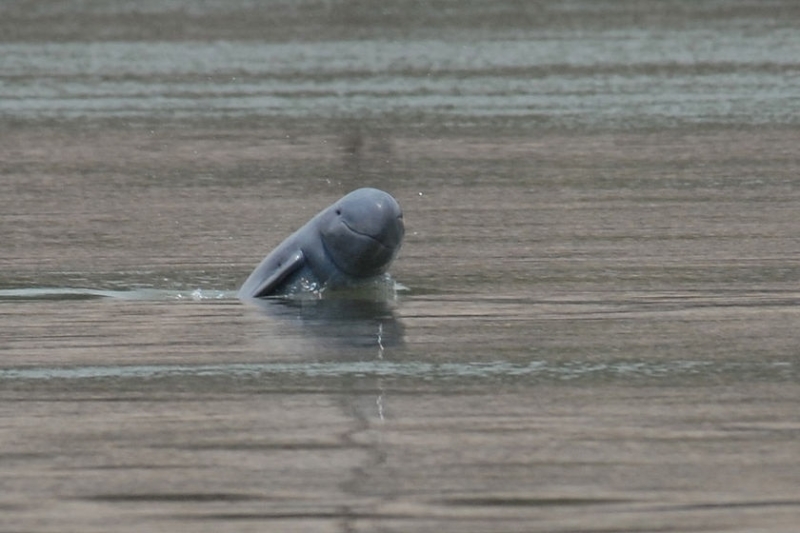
78,293
382,288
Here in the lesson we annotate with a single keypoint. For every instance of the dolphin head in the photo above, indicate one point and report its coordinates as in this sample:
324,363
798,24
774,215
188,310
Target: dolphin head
363,231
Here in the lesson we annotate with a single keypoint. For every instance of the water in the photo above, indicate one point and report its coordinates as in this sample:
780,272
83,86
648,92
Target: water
596,327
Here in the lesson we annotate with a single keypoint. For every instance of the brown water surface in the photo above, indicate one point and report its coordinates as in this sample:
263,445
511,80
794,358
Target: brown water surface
597,323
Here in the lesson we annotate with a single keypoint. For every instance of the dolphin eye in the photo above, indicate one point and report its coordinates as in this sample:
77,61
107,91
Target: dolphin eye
338,211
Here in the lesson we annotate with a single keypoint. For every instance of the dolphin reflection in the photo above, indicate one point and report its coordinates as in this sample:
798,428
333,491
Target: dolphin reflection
339,322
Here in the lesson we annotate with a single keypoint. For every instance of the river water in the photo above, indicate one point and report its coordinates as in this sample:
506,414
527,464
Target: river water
596,321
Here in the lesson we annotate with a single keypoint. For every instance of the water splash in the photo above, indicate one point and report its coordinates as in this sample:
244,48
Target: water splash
379,403
380,340
200,294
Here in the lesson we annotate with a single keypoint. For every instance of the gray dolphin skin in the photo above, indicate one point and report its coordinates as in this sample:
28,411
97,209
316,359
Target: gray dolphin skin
353,240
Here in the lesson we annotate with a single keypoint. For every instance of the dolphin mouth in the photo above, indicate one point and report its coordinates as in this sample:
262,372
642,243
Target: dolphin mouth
367,235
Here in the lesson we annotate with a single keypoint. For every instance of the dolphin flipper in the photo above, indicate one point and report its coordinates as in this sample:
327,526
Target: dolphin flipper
284,270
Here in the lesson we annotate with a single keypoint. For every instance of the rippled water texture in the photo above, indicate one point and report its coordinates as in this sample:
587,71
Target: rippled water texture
595,320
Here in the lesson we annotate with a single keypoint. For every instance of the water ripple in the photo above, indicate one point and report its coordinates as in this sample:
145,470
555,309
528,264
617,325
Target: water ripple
412,369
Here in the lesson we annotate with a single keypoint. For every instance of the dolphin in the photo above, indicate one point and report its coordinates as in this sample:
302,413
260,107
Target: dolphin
352,241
